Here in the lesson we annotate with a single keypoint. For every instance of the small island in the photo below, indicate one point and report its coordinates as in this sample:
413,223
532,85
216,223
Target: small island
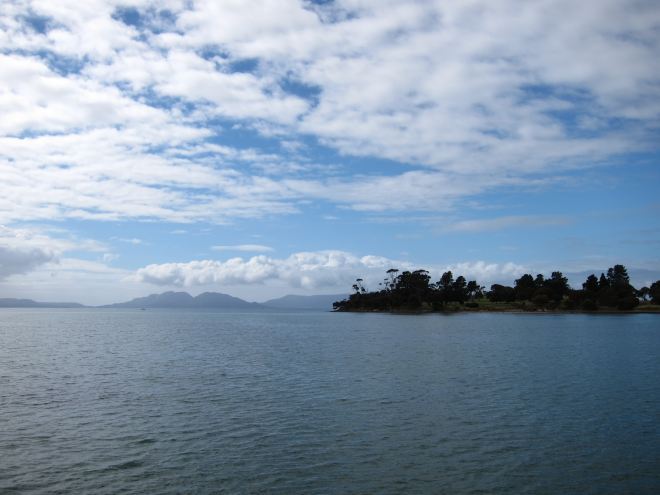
413,291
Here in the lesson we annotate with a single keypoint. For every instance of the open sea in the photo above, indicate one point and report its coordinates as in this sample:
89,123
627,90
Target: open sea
111,401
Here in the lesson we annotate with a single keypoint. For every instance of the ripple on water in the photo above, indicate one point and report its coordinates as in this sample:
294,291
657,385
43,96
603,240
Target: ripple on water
96,401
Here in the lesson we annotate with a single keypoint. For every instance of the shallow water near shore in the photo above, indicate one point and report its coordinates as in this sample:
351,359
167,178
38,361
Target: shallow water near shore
165,401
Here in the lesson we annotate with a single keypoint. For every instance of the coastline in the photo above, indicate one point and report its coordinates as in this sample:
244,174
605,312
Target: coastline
651,310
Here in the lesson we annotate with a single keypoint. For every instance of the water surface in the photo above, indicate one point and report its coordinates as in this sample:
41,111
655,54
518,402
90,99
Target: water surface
124,401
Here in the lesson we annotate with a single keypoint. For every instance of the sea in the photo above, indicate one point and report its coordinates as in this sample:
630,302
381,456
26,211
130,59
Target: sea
116,401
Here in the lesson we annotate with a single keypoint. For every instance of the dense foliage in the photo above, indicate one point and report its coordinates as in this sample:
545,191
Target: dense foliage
414,291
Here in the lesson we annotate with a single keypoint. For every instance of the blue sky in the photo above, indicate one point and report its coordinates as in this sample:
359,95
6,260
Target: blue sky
273,147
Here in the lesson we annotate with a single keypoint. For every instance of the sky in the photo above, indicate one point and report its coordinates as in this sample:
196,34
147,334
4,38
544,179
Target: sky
279,147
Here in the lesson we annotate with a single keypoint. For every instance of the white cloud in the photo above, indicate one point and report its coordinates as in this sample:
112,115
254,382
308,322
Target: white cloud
453,85
254,248
110,174
307,270
319,270
109,257
46,264
23,250
20,260
487,273
416,190
131,240
499,223
75,280
106,121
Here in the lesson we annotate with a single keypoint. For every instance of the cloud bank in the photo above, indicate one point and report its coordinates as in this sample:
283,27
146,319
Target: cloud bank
254,248
23,250
308,270
16,260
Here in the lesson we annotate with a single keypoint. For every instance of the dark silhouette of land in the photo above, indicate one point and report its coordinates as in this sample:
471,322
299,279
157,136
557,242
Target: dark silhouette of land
207,300
185,300
414,291
29,303
217,300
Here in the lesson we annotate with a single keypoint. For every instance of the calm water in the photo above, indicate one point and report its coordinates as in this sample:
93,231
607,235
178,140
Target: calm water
114,401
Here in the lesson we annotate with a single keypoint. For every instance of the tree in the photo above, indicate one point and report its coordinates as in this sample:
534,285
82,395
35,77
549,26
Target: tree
358,287
575,299
588,296
606,295
557,286
654,292
525,287
501,293
444,288
541,298
459,290
618,276
539,281
589,305
446,281
615,289
390,281
474,290
412,290
591,284
416,282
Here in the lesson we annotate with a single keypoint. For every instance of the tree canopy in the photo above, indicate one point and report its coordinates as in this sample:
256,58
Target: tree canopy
415,290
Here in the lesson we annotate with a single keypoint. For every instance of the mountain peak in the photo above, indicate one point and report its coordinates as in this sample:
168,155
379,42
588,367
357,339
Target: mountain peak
171,299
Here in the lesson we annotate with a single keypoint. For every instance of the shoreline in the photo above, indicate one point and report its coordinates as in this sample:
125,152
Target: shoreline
655,310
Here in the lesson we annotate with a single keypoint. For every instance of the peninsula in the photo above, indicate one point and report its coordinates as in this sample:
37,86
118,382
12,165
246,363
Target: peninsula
413,291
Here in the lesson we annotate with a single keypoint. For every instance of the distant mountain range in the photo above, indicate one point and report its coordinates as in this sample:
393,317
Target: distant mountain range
207,300
185,300
217,300
29,303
